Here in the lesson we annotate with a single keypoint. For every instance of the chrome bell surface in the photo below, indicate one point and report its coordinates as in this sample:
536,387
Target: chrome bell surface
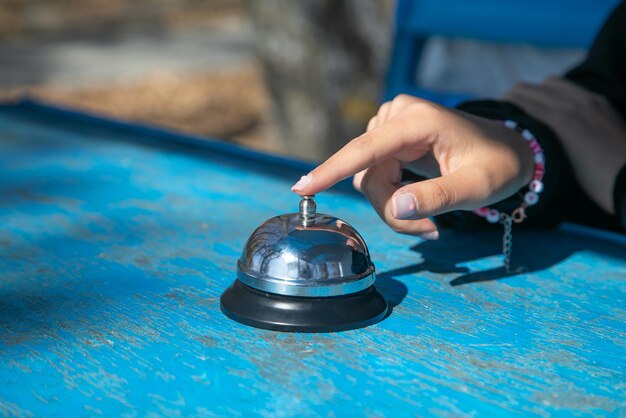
304,272
306,254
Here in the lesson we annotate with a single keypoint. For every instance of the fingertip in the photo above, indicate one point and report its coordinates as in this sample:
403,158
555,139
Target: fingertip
302,184
422,228
430,236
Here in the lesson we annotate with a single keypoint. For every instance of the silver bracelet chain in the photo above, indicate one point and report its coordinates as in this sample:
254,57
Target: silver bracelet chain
529,198
507,221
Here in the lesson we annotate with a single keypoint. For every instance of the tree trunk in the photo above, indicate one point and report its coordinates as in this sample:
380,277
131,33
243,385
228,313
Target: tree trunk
324,63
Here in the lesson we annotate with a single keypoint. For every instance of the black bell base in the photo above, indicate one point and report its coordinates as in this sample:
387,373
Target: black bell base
302,314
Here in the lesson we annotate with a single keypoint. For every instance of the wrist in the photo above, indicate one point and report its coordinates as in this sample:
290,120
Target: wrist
529,194
557,198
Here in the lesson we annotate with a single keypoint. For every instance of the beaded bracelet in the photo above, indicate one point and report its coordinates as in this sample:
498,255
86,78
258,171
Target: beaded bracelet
529,198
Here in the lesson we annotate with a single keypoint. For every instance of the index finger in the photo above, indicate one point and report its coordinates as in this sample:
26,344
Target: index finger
413,128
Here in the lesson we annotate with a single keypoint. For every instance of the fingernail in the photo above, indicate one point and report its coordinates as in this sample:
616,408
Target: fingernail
431,236
404,206
302,183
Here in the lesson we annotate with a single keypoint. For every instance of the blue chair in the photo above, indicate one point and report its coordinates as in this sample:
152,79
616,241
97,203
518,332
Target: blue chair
555,23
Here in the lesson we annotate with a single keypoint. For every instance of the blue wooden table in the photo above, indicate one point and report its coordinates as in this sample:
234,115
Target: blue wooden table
116,242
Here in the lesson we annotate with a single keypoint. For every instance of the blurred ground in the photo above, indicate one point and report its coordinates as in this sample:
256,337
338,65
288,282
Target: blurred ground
228,105
207,67
187,65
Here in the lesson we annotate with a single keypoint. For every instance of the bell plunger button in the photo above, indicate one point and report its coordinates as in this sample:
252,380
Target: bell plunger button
306,212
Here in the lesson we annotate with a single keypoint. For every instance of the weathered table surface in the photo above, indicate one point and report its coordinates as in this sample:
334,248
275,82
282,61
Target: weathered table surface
116,243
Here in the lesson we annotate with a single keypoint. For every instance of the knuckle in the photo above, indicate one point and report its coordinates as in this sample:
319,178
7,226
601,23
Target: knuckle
404,99
398,227
425,109
441,196
403,227
365,182
363,141
383,108
486,182
372,123
357,181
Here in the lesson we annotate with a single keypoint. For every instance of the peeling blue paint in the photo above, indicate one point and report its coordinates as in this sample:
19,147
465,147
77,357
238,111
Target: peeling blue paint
117,241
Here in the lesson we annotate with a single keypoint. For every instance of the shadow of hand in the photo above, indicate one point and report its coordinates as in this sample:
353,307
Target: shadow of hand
532,251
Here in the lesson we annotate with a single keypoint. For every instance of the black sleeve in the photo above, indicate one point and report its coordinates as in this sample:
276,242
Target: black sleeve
604,72
604,69
619,197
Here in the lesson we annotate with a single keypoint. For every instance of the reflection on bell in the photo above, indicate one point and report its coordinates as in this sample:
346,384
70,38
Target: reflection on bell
304,272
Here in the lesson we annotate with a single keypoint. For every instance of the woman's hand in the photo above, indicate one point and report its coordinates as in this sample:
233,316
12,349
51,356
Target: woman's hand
471,162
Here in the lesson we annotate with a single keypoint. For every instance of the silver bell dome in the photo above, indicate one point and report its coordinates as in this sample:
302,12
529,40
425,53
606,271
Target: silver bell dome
306,254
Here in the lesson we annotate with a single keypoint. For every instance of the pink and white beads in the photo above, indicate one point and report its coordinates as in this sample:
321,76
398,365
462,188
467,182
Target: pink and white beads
531,197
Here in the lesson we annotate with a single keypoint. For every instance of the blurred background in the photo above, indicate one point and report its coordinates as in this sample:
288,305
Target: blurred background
298,78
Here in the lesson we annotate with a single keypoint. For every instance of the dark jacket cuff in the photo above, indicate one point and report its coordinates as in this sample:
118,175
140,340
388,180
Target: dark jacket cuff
619,197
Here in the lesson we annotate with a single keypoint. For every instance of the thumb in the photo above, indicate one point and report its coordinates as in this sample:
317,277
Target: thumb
464,189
